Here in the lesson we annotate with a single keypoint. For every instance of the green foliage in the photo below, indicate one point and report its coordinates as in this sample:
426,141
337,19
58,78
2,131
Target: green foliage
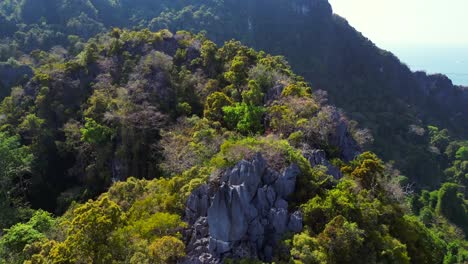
340,239
88,234
31,125
167,250
15,162
453,206
247,119
157,225
15,239
457,252
184,108
253,95
95,133
380,218
237,73
372,99
422,244
366,168
122,107
462,154
214,106
300,89
439,138
131,221
18,236
306,249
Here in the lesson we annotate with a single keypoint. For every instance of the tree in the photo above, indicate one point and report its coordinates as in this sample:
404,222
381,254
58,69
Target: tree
452,205
253,95
439,138
238,72
244,118
306,249
214,106
462,153
299,89
18,236
15,162
208,54
95,133
342,240
31,127
167,250
367,169
89,237
422,244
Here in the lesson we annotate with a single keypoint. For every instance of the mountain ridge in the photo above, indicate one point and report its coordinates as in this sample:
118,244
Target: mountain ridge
320,46
147,146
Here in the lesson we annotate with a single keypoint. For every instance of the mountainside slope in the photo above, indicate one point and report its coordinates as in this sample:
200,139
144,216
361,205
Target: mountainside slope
370,84
237,160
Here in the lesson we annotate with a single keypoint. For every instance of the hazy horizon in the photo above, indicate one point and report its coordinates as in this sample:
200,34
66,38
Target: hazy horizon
426,35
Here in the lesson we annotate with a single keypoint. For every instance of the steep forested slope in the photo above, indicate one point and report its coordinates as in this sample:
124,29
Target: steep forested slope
370,84
96,118
234,157
175,124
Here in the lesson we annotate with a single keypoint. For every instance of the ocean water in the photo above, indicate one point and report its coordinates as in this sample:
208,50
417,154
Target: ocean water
451,61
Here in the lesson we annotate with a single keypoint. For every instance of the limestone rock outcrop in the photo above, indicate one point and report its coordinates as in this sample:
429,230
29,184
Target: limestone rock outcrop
244,216
318,157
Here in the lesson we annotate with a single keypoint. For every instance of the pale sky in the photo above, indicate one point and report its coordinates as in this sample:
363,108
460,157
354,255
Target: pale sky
390,23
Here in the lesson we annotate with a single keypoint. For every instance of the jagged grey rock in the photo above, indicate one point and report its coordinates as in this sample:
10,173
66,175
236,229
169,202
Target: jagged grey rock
226,217
295,222
198,241
270,176
318,157
245,215
278,217
280,203
197,204
286,183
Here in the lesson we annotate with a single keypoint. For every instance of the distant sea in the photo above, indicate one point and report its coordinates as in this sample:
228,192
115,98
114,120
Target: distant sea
451,61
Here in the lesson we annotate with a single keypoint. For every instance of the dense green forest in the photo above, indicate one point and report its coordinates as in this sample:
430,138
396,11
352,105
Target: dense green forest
374,88
109,137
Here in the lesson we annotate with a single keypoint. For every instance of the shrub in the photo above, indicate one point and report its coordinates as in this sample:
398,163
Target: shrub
247,119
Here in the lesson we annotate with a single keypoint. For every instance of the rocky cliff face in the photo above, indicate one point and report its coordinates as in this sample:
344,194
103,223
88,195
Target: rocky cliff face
243,215
440,93
244,212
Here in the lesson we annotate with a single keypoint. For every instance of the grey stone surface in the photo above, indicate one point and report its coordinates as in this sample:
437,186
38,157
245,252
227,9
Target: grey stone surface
270,176
318,157
226,217
280,203
243,217
197,204
295,222
278,218
286,183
